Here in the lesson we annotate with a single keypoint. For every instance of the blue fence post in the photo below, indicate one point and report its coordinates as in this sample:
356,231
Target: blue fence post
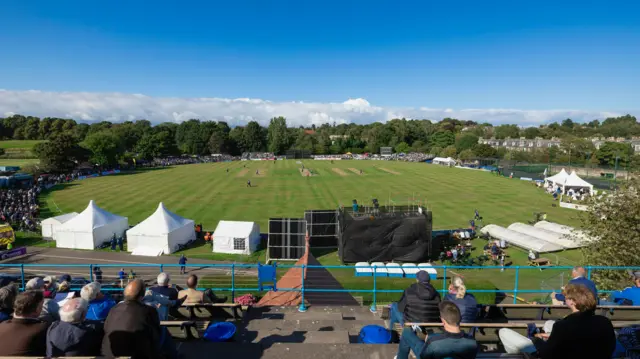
22,276
444,279
589,272
161,268
302,307
91,272
515,289
233,282
373,308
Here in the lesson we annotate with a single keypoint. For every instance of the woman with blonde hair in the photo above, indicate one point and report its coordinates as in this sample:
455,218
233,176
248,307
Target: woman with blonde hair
466,302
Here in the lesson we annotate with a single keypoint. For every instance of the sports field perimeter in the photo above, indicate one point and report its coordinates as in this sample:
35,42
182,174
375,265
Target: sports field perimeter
208,193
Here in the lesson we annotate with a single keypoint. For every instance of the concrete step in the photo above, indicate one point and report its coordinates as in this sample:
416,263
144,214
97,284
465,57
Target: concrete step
312,325
302,316
270,337
202,349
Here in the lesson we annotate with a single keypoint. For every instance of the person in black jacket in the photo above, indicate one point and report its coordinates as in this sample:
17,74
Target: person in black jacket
581,334
72,335
419,303
132,328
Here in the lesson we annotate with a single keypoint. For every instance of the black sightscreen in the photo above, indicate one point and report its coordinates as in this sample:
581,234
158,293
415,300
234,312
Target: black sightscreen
286,238
322,226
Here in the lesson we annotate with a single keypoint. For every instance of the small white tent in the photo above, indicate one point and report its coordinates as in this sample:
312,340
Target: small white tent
236,237
559,178
519,239
162,232
575,182
569,232
444,161
51,224
90,228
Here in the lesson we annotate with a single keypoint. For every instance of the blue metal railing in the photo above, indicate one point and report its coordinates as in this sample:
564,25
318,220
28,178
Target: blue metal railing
30,270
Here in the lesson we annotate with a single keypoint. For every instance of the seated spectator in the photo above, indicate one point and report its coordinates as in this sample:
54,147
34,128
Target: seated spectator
164,287
25,334
453,343
99,304
63,293
8,295
71,335
49,287
630,295
581,334
132,328
193,296
419,303
467,303
50,308
579,277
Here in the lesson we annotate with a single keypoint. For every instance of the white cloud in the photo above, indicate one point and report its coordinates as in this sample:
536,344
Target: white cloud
118,107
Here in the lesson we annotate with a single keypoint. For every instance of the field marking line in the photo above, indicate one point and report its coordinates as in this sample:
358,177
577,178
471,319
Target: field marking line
339,171
54,202
356,171
389,171
242,173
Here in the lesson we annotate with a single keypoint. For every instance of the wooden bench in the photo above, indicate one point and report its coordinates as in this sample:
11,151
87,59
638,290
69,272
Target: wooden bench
235,308
540,262
604,310
184,325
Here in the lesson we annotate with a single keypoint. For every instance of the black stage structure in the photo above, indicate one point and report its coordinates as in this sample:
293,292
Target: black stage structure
286,239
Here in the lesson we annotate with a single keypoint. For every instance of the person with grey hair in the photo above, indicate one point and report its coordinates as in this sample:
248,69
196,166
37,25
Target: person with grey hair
164,287
50,307
579,275
72,335
8,294
99,304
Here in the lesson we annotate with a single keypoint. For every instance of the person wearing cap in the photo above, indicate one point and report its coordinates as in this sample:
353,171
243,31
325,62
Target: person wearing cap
419,303
72,335
630,295
8,294
50,308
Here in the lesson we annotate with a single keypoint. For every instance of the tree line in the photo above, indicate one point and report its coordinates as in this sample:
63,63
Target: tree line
106,144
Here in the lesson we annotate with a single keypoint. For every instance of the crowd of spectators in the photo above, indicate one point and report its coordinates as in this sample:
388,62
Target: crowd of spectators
20,207
416,157
250,156
46,320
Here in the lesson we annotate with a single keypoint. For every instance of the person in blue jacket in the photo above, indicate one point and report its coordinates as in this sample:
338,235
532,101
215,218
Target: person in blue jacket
466,302
99,304
630,295
579,275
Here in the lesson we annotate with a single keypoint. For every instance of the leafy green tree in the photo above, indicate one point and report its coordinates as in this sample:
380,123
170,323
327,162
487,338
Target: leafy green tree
484,151
254,137
278,136
610,150
435,151
105,146
613,222
442,139
504,131
61,153
402,147
154,145
531,132
449,151
219,139
466,142
419,146
466,155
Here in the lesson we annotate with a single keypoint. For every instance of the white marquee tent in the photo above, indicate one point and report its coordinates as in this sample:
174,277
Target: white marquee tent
444,161
559,178
90,228
546,235
575,182
519,239
236,237
50,225
161,232
569,232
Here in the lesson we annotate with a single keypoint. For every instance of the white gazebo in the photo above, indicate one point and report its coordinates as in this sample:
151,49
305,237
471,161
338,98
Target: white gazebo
444,161
161,232
90,228
236,237
575,182
51,224
559,178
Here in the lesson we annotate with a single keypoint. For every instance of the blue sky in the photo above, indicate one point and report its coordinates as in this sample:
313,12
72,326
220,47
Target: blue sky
534,55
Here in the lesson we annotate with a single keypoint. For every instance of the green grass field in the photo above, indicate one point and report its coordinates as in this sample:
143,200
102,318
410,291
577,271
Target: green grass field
206,193
18,162
21,144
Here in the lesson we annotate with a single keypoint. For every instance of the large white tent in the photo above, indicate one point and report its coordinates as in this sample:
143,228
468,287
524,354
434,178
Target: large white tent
236,237
444,161
519,239
575,182
90,228
569,232
51,224
546,235
161,232
559,178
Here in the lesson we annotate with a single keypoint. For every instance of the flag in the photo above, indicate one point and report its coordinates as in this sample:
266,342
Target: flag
545,172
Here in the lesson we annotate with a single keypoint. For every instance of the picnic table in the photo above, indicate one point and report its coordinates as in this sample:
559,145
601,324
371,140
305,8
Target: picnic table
540,262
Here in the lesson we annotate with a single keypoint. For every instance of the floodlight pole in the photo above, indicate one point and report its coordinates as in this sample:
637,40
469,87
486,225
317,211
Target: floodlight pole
615,174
